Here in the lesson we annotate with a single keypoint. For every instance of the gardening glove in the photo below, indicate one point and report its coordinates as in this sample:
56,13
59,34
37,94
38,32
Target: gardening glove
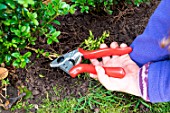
128,84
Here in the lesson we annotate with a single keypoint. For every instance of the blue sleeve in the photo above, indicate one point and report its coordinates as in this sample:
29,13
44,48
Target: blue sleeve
159,81
146,47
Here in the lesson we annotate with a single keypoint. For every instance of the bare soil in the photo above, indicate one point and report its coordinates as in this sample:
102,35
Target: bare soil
124,25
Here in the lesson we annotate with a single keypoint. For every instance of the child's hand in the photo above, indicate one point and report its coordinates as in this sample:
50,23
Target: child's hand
129,83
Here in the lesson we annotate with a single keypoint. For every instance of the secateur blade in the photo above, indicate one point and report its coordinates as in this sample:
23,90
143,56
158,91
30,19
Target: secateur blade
67,61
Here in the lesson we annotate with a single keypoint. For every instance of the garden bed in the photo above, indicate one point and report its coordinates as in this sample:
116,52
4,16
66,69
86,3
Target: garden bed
123,26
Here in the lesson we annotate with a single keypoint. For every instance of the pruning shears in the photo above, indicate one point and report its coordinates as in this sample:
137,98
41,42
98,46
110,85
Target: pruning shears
71,61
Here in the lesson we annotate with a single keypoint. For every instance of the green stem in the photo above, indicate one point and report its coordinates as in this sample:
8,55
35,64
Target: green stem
50,20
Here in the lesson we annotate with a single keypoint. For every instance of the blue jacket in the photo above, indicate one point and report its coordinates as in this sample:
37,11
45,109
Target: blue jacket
146,48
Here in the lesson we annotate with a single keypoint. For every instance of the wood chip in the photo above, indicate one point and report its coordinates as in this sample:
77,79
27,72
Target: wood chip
3,73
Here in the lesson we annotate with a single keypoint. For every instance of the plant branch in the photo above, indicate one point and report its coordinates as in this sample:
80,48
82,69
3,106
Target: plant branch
50,20
50,56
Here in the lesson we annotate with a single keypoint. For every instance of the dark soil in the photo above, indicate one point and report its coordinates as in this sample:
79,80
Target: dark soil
123,26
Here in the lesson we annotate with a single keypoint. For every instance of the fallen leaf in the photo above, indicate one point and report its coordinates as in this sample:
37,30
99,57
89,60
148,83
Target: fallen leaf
40,75
46,1
3,73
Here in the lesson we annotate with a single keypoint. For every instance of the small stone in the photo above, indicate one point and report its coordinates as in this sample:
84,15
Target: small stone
53,98
35,92
48,87
96,110
36,106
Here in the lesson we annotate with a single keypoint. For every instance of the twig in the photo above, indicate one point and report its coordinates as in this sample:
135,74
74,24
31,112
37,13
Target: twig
51,56
3,96
50,20
5,91
1,101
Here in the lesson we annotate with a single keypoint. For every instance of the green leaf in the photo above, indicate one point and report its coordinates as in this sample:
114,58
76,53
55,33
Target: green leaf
18,33
13,29
5,82
23,28
110,12
7,22
1,32
11,3
31,16
57,22
16,54
49,41
14,45
1,60
26,55
16,63
27,29
25,3
91,2
1,40
34,15
105,3
52,29
7,58
63,5
56,34
2,6
33,43
51,12
82,10
28,92
47,54
13,22
56,40
3,15
23,64
22,59
72,9
86,7
27,60
24,11
35,22
32,40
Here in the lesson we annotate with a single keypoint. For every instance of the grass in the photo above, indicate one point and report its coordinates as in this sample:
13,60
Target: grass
64,106
100,100
22,106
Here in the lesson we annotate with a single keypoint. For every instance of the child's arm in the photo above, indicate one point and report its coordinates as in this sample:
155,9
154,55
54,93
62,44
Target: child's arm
154,81
146,47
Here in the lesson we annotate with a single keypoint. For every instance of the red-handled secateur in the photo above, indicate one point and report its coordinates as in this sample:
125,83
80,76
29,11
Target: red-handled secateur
71,62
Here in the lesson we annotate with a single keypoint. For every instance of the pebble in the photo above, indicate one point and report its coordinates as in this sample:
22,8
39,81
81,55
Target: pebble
96,110
35,92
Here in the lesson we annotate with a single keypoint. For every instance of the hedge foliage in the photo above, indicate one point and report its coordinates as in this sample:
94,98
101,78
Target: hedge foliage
22,21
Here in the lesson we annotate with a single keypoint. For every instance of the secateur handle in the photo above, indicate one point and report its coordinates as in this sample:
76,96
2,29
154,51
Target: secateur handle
104,52
116,72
